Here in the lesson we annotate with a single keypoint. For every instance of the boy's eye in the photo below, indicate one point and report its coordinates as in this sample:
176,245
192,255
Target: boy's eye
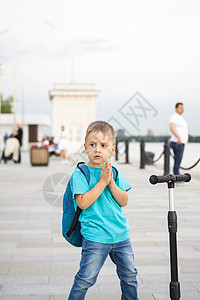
104,146
92,145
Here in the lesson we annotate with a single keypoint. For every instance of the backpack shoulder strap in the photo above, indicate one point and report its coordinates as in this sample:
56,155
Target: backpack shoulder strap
85,170
115,173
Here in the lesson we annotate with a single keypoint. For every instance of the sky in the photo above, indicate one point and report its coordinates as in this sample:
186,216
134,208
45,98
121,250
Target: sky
144,51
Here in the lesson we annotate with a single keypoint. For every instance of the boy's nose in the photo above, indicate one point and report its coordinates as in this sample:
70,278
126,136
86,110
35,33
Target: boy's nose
97,149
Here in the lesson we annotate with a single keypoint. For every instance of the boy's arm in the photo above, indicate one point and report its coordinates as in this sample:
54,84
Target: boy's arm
121,197
85,200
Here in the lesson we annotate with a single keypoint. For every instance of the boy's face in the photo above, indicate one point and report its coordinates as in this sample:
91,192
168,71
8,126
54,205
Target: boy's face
98,147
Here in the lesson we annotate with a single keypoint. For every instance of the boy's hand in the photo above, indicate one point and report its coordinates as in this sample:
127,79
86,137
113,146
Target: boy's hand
106,174
111,180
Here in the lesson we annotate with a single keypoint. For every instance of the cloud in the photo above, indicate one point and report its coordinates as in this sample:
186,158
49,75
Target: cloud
49,25
79,47
16,49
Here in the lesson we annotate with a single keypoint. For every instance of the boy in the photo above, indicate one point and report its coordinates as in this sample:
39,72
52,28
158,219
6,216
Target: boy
104,226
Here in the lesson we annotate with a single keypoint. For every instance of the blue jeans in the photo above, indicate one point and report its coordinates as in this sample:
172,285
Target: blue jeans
93,257
178,155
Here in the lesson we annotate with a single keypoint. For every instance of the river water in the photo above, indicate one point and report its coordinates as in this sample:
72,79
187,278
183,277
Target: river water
190,156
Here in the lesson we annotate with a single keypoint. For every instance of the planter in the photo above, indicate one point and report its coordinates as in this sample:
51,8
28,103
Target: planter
39,156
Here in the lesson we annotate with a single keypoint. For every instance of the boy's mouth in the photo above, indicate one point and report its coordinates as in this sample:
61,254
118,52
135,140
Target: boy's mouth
97,156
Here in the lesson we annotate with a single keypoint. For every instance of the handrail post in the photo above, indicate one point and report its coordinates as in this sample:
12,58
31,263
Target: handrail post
142,154
166,157
127,151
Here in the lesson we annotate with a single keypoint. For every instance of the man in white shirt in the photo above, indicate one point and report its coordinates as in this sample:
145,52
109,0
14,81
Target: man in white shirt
179,137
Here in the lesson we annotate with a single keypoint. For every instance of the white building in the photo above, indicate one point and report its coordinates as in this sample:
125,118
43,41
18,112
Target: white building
74,106
33,127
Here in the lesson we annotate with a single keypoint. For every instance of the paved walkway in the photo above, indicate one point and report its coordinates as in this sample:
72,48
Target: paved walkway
36,263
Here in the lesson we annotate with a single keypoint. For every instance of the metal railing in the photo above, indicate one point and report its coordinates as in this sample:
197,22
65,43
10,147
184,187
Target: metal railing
126,151
146,159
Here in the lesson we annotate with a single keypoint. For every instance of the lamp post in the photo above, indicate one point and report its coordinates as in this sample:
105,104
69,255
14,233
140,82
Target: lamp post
2,32
0,89
15,94
14,97
22,103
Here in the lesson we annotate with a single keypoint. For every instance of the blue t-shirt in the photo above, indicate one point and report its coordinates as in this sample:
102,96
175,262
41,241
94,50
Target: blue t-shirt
103,221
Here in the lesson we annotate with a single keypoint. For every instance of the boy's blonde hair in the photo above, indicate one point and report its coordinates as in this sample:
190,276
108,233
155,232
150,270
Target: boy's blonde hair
102,126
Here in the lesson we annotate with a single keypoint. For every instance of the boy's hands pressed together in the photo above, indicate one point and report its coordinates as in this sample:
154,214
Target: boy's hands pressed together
106,178
106,174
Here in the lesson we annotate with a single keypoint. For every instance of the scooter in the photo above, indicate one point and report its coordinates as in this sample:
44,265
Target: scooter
175,293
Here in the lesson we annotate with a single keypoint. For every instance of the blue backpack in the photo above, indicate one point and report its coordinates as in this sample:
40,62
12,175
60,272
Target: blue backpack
70,223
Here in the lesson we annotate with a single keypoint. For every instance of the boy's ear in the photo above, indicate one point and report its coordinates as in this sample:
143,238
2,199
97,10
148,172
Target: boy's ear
113,150
85,147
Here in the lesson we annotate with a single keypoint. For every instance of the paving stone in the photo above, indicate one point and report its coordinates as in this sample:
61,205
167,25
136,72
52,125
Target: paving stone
188,292
88,297
153,286
30,268
68,261
64,279
148,280
108,289
6,257
31,257
103,297
34,245
8,245
143,296
31,239
58,297
161,296
4,267
189,265
21,251
59,245
13,280
152,269
64,270
190,277
21,297
197,285
9,238
37,290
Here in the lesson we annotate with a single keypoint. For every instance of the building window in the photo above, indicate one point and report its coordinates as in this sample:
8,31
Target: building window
33,133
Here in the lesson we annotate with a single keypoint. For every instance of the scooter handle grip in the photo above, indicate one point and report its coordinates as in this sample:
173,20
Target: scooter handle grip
166,178
184,177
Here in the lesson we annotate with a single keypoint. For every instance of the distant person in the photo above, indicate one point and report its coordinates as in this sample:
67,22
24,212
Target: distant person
45,142
63,144
18,134
179,137
11,150
52,146
51,142
5,137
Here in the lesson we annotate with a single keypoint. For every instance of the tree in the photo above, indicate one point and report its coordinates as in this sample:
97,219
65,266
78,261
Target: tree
6,105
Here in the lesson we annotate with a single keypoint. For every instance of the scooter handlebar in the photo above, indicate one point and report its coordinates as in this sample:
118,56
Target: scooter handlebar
153,179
